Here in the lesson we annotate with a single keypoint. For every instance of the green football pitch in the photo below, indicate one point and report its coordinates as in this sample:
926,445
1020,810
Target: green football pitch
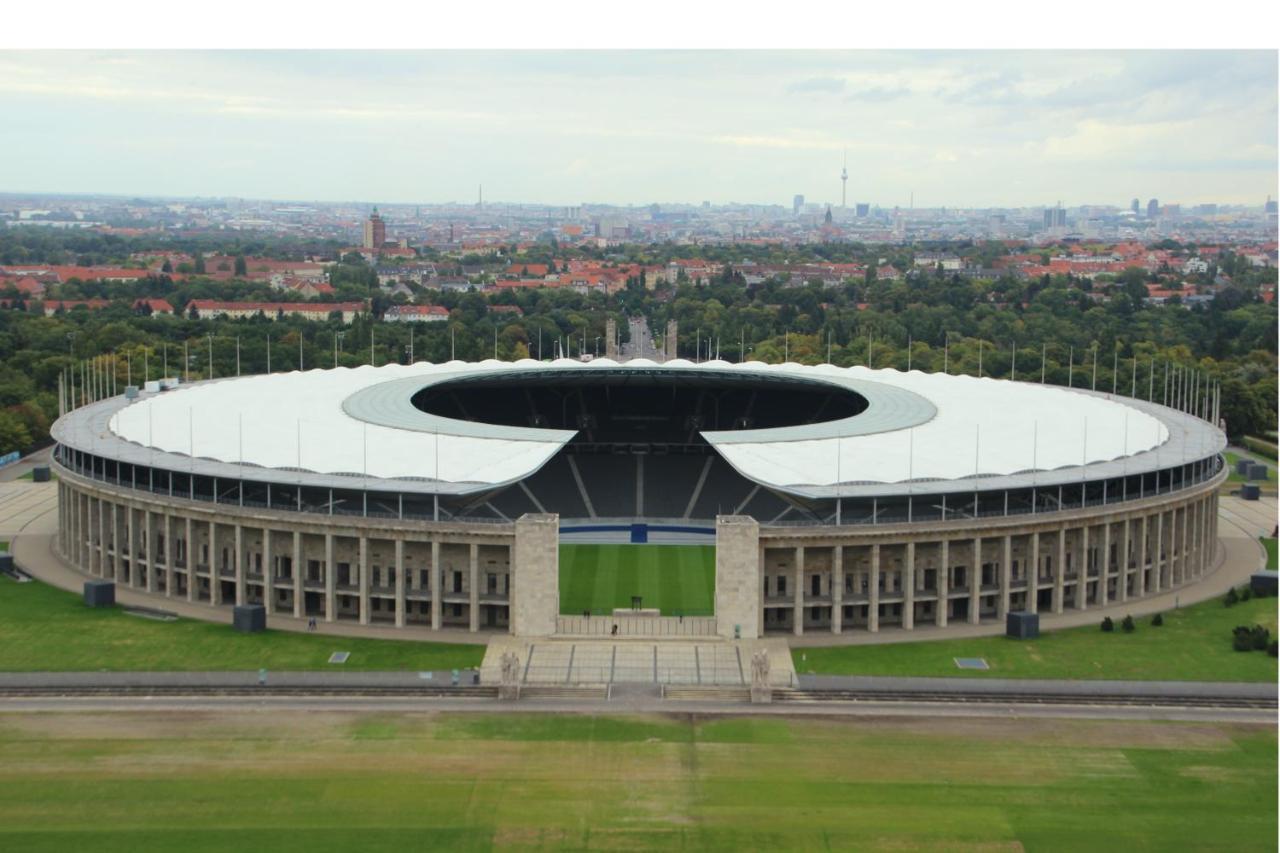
677,579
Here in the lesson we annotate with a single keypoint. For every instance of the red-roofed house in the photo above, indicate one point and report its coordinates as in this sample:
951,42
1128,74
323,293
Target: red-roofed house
416,314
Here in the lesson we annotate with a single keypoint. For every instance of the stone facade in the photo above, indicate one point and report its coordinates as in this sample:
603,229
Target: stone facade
474,576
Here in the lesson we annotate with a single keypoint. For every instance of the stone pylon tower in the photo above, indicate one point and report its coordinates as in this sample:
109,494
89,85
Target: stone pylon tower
669,342
611,338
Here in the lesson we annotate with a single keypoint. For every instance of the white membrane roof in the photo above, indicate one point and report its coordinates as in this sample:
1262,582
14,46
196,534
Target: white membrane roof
918,427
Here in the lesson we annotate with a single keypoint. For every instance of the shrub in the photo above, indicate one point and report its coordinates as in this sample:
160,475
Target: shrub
1246,593
1107,625
1127,625
1232,597
1261,637
1271,649
1242,638
1157,620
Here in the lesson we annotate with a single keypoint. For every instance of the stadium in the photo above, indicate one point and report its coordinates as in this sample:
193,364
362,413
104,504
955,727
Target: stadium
642,498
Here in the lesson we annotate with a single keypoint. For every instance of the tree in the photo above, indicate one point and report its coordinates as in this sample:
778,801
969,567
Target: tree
166,267
14,434
242,269
1157,620
199,267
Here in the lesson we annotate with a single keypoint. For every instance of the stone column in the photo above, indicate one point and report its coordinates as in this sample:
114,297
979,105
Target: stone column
1182,554
399,583
168,555
242,590
873,605
1060,572
975,583
364,580
1157,581
115,542
330,581
128,549
1006,577
1033,575
944,584
1140,580
909,589
474,580
535,578
1082,571
148,553
435,582
837,589
1105,562
192,554
737,597
797,600
268,571
215,568
1126,548
299,593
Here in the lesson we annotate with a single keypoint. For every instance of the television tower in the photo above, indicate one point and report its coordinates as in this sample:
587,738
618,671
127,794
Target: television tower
844,178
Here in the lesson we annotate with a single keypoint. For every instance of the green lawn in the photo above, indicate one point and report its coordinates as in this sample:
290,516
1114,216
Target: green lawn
254,780
1193,645
678,579
1233,477
1269,543
4,546
45,628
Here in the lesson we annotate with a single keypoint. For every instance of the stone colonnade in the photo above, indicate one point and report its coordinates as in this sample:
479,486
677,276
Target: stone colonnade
362,570
900,576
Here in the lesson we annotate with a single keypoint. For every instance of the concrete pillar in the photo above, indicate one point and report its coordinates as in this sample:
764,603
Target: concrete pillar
299,593
1182,551
242,590
975,583
268,571
837,589
126,550
1105,569
148,553
364,580
330,581
215,568
1082,571
1126,551
1006,577
535,575
797,600
873,606
1157,580
1140,579
909,589
944,584
192,554
738,601
435,584
1033,575
115,542
474,580
399,583
1060,572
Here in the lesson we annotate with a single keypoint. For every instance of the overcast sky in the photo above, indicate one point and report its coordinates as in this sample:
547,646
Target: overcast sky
956,128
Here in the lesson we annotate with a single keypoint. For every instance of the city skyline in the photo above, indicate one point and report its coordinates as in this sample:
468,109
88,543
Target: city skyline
941,128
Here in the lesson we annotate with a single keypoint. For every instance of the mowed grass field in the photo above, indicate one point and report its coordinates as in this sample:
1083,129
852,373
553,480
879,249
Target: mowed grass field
43,628
1194,644
319,781
677,579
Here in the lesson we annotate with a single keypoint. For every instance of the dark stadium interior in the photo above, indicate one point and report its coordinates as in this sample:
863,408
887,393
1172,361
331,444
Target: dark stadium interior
638,451
629,407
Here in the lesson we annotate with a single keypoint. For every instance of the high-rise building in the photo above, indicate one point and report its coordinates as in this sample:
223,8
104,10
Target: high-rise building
863,209
1135,206
375,231
1271,205
1055,217
1153,208
797,205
